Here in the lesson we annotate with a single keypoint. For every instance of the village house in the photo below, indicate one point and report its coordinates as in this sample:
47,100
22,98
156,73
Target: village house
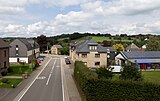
23,50
4,55
89,52
56,49
132,47
143,59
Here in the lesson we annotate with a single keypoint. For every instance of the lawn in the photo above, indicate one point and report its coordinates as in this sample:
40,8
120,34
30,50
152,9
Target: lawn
18,70
148,76
101,39
11,81
151,76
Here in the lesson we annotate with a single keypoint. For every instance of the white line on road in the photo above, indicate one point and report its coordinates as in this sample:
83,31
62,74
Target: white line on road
51,72
62,72
19,96
48,79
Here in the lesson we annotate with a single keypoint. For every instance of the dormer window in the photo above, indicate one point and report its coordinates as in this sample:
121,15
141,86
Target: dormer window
92,48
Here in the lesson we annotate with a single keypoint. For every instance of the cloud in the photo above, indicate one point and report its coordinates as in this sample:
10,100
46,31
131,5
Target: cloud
111,16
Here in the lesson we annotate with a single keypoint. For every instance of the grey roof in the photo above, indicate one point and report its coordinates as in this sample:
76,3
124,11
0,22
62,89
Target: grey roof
28,45
3,44
83,46
111,49
141,54
57,46
33,43
132,47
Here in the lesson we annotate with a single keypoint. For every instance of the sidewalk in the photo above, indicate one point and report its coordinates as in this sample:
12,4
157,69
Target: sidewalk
71,86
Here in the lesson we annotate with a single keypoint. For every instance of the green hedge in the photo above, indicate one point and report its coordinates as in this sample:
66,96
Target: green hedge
108,90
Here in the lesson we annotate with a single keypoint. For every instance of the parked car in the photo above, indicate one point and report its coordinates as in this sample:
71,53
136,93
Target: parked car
67,61
40,58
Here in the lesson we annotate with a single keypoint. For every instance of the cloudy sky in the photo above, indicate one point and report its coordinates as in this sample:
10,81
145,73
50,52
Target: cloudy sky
28,18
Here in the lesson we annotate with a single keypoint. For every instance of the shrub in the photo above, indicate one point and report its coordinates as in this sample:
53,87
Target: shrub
10,70
131,72
4,72
108,90
4,80
104,72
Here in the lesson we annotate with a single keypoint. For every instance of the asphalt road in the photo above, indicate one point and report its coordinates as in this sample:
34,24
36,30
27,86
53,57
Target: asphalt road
47,86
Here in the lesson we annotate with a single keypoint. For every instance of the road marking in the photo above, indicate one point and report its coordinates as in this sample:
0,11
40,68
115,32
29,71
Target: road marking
41,77
62,80
19,96
48,79
51,72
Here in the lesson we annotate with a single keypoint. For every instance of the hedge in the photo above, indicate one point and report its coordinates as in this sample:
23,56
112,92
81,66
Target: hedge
108,90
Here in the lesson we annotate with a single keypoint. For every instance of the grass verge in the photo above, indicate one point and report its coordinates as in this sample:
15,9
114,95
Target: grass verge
11,81
18,70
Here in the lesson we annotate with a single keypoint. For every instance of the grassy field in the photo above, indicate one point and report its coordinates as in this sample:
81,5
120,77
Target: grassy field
151,76
148,76
101,39
11,81
18,70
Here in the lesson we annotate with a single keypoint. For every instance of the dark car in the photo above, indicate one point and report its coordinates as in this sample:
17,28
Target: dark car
67,61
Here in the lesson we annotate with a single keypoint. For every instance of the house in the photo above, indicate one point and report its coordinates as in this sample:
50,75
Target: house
4,55
144,59
89,52
111,53
132,47
23,50
56,49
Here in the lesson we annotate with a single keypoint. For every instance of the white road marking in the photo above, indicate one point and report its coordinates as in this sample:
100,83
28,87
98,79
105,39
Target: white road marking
62,72
48,79
51,72
19,96
41,77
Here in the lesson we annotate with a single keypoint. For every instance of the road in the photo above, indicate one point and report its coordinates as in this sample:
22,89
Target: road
47,86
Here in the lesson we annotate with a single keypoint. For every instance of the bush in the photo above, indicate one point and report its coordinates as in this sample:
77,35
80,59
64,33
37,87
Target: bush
108,90
4,72
104,72
10,70
131,72
4,80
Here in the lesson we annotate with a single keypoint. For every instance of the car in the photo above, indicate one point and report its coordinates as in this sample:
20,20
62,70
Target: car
67,61
40,58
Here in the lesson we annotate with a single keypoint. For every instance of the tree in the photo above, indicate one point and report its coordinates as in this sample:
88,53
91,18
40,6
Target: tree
104,72
118,47
131,72
42,41
153,44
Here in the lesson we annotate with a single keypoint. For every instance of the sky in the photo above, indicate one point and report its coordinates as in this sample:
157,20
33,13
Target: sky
31,18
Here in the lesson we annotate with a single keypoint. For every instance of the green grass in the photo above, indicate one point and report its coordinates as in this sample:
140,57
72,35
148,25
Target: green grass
151,76
18,70
148,76
11,81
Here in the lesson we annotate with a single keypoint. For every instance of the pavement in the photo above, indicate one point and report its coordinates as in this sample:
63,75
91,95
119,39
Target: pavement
53,83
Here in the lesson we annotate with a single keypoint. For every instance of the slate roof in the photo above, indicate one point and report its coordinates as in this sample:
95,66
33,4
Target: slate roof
141,55
30,43
111,49
83,46
3,44
132,47
33,43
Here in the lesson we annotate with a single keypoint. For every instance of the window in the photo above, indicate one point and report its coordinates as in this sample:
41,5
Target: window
16,46
84,55
97,55
16,52
92,47
5,53
97,63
